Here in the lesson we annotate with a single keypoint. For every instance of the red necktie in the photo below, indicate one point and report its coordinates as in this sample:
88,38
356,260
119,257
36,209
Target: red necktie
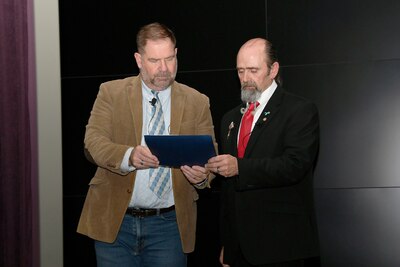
245,130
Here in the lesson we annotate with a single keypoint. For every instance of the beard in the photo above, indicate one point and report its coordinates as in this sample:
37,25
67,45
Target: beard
162,80
250,92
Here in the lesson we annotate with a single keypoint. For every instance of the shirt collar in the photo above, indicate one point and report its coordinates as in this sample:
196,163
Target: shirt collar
147,94
267,94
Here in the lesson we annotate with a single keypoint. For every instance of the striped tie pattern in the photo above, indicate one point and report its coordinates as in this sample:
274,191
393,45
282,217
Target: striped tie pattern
158,177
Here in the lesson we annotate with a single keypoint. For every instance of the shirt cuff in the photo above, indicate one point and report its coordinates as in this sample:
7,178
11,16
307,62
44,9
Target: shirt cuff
125,167
203,184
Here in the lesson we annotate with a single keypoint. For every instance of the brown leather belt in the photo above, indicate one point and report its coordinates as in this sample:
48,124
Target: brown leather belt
137,212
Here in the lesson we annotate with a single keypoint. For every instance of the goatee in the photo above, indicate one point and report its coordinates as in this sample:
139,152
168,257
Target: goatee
250,95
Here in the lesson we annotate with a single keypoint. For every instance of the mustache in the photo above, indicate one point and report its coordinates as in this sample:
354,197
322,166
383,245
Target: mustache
163,74
249,84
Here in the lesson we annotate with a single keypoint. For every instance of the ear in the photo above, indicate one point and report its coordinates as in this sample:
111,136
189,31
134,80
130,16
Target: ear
138,58
274,70
176,51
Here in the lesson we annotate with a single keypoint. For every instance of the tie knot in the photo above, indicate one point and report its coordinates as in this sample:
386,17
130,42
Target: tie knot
252,106
156,99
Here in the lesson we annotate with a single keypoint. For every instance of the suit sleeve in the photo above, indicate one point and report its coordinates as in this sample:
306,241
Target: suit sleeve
99,131
294,154
227,201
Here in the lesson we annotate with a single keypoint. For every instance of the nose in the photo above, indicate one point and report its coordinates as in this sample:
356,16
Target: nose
244,76
163,65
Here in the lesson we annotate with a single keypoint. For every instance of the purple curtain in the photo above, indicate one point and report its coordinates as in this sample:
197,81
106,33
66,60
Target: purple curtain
18,147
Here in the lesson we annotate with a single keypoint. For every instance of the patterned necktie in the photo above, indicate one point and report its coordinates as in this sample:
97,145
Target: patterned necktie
245,129
159,177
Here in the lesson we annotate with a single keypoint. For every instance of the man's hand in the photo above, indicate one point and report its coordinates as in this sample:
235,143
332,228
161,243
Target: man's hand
142,158
221,258
225,165
195,174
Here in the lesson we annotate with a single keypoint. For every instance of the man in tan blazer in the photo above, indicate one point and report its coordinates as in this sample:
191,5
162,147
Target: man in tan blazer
131,224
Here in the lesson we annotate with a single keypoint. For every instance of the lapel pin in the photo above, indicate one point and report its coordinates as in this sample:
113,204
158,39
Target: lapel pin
231,126
266,113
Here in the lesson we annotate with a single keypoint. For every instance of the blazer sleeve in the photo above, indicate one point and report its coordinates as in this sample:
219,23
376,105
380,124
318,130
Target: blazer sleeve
99,138
205,126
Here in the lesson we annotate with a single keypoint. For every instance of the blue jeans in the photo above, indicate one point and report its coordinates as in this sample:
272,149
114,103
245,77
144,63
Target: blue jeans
152,241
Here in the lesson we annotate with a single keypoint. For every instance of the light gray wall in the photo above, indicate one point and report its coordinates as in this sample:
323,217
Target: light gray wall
49,131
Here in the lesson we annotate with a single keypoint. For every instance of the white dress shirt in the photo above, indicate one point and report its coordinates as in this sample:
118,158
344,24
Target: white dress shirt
142,196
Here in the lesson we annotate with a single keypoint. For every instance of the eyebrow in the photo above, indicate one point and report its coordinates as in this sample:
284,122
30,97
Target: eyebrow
247,68
153,58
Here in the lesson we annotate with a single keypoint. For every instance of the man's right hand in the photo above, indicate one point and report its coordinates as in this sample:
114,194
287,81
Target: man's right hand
142,158
221,258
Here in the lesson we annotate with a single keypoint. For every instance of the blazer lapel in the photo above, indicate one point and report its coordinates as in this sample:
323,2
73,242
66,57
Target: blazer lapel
178,100
134,92
233,130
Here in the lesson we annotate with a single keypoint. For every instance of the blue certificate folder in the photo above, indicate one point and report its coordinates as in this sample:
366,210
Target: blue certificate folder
179,150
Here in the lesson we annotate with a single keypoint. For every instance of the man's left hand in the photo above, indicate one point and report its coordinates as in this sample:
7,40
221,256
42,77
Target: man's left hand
225,165
195,174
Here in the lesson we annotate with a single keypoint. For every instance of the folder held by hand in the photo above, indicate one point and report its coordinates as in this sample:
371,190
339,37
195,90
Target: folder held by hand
179,150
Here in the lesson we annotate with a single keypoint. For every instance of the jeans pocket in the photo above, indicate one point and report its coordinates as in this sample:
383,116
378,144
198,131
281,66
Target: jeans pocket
169,216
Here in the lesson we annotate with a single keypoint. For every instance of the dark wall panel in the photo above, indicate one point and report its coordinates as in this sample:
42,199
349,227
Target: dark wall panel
359,107
78,249
78,95
359,227
98,37
344,56
316,31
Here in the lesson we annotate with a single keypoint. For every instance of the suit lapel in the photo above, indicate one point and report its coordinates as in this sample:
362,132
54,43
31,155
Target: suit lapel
270,110
233,130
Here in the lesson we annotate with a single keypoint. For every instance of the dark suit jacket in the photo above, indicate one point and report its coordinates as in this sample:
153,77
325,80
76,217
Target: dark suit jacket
115,125
267,209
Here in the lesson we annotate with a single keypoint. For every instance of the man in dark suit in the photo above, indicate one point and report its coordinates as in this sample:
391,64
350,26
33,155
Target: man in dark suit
269,146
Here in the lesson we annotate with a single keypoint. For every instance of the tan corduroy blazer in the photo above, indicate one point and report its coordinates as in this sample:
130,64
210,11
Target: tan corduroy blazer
115,125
